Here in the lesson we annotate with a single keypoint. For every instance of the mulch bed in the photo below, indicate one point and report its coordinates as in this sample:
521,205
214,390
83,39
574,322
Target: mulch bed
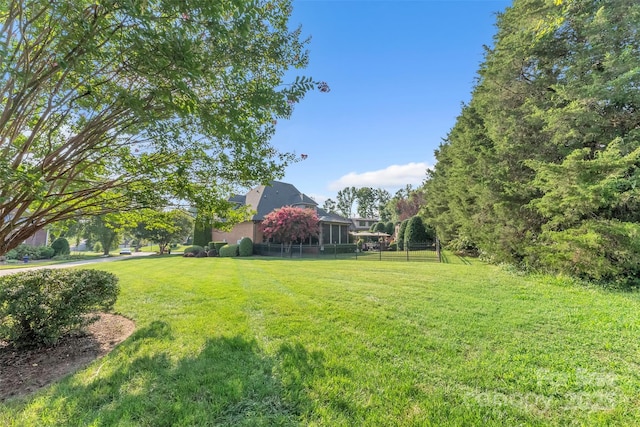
24,371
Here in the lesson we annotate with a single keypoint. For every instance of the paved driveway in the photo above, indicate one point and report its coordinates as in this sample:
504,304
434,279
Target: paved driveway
73,263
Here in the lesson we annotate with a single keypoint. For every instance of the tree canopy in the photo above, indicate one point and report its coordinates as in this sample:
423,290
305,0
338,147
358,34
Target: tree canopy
370,202
163,227
288,224
541,168
111,106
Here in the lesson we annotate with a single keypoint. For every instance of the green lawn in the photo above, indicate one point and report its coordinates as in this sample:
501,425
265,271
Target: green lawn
75,256
266,341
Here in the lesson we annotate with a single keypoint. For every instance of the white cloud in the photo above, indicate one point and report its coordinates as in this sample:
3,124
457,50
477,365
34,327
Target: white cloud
391,178
318,198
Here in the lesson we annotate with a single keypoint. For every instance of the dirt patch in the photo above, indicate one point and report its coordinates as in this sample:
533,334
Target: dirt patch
24,371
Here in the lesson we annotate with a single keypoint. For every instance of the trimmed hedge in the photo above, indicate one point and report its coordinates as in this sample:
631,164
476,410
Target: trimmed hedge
229,250
344,248
33,252
246,247
39,307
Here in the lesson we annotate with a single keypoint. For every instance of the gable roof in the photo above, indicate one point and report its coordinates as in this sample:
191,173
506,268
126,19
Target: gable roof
265,198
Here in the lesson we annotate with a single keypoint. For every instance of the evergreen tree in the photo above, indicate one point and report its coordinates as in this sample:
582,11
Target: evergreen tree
415,234
401,232
543,159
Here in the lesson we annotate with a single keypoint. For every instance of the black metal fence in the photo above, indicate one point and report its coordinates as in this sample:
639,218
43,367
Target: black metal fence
415,252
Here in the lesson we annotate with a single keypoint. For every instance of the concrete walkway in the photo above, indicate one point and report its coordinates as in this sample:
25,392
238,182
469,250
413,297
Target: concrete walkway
74,263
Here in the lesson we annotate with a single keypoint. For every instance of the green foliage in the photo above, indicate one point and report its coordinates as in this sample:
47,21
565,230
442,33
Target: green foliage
229,250
45,252
107,229
201,232
390,228
33,252
380,227
40,306
61,246
345,200
606,251
97,247
401,234
345,248
140,104
546,152
416,233
162,227
245,248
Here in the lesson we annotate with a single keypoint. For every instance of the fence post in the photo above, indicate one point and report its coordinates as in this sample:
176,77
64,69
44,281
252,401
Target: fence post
300,250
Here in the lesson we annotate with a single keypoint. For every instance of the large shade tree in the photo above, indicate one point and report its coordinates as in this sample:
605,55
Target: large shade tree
114,105
289,224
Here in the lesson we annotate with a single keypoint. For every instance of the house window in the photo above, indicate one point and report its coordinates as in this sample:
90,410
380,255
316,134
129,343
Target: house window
326,234
344,234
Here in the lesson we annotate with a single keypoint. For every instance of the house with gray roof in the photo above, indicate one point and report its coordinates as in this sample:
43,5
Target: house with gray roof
264,199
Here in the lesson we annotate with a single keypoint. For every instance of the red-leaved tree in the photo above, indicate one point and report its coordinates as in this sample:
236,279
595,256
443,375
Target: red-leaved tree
289,224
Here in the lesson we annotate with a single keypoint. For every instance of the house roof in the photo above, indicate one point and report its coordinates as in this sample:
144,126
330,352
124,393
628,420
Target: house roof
265,198
325,216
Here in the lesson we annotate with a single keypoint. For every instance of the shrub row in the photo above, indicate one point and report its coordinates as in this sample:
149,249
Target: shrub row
345,248
33,252
223,249
39,307
229,250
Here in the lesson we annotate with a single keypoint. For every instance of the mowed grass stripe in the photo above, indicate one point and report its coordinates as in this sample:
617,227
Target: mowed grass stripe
264,341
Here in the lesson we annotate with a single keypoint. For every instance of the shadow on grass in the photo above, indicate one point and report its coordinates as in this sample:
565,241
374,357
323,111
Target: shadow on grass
230,382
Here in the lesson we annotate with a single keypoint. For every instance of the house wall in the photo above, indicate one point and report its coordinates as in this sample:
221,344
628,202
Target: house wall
38,239
244,229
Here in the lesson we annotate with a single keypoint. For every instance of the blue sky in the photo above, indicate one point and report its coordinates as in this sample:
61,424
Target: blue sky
399,72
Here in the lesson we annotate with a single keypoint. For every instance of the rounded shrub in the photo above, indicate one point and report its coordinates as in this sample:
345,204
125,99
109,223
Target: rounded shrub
61,246
39,307
245,248
97,247
45,252
229,250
